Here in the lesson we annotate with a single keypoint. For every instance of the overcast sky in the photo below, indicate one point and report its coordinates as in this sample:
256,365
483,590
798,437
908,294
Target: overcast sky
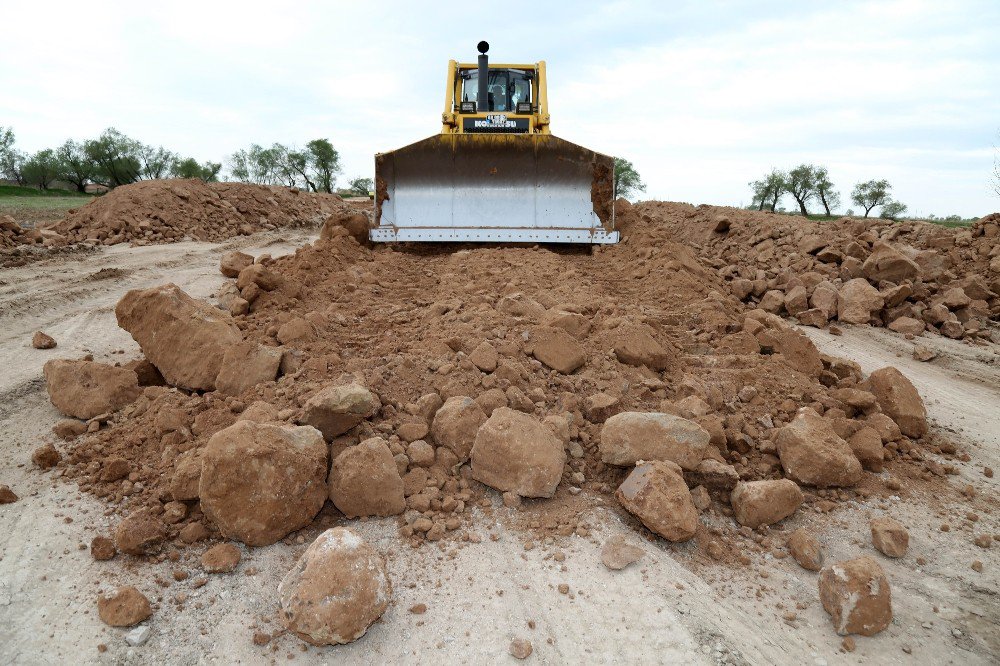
701,96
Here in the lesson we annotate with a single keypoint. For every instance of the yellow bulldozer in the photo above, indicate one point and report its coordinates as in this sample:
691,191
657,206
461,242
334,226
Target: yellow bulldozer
495,173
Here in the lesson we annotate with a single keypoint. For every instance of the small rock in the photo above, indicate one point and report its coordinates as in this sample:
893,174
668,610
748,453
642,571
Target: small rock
338,588
656,494
757,503
889,537
618,553
520,648
856,594
138,636
805,549
125,607
221,558
42,341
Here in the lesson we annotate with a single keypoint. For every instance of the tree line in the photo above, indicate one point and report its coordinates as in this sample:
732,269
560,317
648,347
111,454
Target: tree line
808,183
114,159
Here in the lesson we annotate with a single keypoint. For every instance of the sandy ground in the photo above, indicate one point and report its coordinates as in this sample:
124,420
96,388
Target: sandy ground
665,609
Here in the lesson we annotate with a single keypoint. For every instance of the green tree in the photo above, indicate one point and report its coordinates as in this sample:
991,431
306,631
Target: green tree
190,168
325,164
829,197
871,193
801,184
74,165
41,169
11,159
891,210
768,190
627,180
116,158
361,186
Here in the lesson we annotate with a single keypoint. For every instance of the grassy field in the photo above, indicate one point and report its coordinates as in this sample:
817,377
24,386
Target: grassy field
30,207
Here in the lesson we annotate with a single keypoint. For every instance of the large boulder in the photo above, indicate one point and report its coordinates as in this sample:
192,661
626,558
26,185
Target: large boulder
557,349
246,364
857,300
336,409
261,481
629,437
515,452
889,264
655,493
364,481
184,338
813,454
85,389
856,595
336,590
899,399
635,345
456,423
757,503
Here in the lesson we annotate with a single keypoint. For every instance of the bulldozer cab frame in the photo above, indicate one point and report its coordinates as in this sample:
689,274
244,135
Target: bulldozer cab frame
495,172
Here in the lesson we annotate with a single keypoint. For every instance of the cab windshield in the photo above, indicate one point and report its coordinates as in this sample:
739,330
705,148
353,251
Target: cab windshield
506,88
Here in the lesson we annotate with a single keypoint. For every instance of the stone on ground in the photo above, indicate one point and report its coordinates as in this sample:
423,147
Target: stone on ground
899,399
261,481
616,554
805,550
655,493
184,338
557,349
246,364
336,590
336,409
85,389
856,595
125,607
757,503
812,454
515,452
221,558
632,436
41,340
889,537
364,481
456,423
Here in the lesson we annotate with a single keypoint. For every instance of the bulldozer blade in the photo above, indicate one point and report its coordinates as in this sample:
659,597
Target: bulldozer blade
494,188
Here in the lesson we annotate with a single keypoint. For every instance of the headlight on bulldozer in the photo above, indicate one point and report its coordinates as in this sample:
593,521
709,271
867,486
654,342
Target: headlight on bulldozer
468,107
524,107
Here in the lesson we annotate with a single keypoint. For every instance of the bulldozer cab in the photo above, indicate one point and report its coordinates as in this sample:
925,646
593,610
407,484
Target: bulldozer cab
495,173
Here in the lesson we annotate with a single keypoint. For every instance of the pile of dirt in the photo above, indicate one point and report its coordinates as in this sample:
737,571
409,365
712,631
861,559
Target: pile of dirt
910,276
165,211
431,383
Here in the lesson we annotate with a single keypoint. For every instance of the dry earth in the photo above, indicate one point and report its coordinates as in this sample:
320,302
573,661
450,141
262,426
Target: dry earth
670,607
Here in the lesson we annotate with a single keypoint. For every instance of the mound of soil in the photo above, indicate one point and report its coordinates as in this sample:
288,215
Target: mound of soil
165,211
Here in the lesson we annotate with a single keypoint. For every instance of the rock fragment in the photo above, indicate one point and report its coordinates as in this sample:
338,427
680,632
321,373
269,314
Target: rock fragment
757,503
336,409
889,537
85,389
515,452
125,607
338,588
632,436
364,481
655,493
856,594
616,554
805,549
261,481
456,423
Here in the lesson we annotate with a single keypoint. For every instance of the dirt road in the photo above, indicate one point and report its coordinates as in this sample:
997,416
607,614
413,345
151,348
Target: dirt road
667,609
